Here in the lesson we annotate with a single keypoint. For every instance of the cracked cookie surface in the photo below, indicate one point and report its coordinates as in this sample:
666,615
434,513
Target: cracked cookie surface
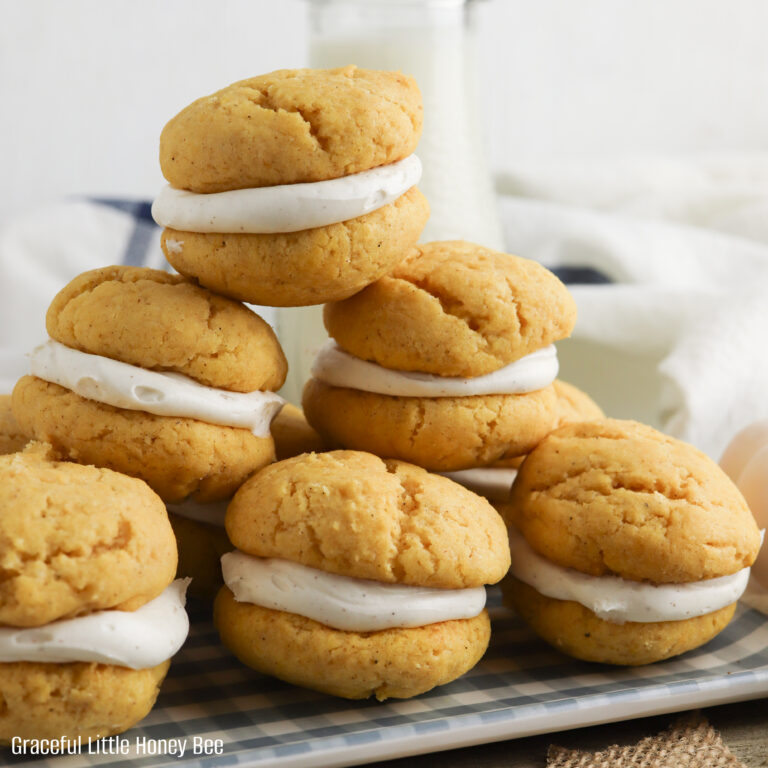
391,663
292,126
439,433
77,539
165,322
454,308
351,513
177,457
618,497
311,266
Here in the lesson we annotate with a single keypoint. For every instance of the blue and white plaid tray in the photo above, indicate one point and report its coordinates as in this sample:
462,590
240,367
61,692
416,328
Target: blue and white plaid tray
520,688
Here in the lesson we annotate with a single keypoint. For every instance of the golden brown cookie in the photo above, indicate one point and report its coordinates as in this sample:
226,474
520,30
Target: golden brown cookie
576,631
614,498
87,700
77,539
293,435
165,322
351,513
354,515
439,433
200,549
292,126
12,439
177,457
306,267
391,663
619,497
454,309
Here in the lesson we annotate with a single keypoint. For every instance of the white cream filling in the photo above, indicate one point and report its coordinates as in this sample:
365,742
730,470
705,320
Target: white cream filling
136,639
164,394
211,513
495,483
338,368
286,207
352,605
619,600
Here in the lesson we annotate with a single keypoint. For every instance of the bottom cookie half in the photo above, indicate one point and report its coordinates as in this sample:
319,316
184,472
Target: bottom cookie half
391,663
575,630
55,701
311,266
439,433
175,456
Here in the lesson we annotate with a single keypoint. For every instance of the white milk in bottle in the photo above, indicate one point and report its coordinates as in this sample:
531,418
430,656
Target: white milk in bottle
432,41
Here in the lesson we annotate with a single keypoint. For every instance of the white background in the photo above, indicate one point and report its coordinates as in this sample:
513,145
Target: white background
87,85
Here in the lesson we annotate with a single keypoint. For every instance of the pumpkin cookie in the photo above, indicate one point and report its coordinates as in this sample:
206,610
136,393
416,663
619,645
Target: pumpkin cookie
292,126
296,187
90,617
634,546
385,562
448,362
454,309
149,374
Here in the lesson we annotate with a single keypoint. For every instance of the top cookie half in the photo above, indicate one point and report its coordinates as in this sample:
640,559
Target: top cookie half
354,514
615,497
77,539
290,126
162,322
454,308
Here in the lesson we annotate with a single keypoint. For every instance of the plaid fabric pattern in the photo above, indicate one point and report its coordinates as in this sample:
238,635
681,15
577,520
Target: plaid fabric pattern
520,687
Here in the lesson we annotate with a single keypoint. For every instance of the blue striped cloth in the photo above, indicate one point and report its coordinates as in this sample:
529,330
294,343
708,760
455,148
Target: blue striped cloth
139,246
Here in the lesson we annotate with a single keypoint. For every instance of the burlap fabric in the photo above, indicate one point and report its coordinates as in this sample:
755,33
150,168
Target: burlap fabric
690,742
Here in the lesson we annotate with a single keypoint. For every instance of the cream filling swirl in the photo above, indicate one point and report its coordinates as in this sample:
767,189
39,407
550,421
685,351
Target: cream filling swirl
286,207
342,602
164,394
136,639
338,368
619,600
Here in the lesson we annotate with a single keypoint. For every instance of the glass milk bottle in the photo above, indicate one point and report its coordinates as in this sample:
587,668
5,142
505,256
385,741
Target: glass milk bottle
432,40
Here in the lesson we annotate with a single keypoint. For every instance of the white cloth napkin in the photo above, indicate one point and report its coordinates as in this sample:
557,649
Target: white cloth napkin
42,251
678,337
